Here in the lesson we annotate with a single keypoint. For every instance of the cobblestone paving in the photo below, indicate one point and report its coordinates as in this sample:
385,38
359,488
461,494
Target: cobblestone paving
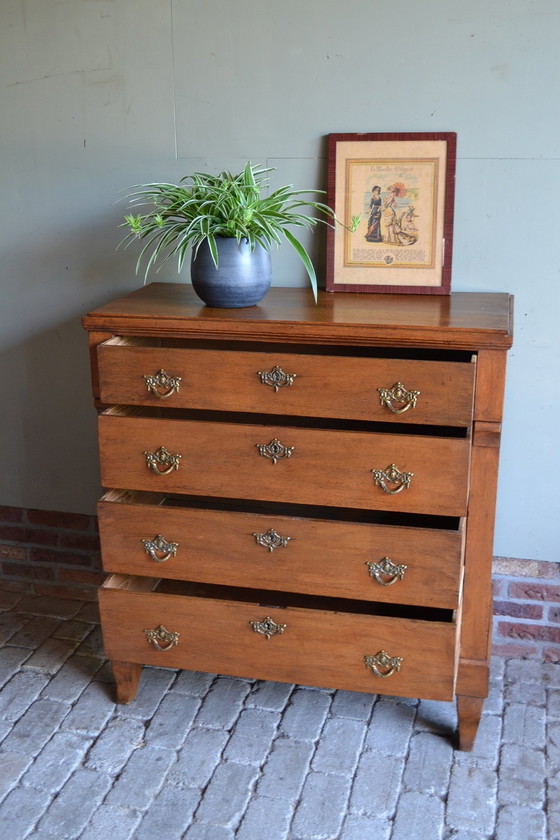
200,757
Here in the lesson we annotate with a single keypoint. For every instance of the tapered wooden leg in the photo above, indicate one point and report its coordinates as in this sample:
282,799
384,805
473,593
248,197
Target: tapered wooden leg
127,677
469,711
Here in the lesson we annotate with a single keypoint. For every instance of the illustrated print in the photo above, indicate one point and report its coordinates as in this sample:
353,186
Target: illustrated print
398,189
391,221
397,204
374,221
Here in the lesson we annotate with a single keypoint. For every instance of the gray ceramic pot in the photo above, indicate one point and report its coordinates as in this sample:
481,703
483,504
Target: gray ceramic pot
242,278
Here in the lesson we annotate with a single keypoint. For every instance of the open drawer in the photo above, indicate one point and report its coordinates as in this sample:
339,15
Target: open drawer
331,643
325,383
173,452
353,555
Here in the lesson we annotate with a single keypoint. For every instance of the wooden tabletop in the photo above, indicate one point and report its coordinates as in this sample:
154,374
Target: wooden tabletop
462,320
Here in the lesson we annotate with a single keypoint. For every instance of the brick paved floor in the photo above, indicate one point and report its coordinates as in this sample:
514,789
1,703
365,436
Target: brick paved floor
202,757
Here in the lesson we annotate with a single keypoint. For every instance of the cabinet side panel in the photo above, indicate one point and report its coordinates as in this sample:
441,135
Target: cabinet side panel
477,608
490,383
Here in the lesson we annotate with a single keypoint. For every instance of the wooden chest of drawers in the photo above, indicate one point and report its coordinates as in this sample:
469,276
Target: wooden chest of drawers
302,492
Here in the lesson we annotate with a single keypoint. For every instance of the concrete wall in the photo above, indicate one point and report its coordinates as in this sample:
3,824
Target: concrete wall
100,95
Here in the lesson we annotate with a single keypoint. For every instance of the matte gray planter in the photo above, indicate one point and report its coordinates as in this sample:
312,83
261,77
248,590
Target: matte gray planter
242,278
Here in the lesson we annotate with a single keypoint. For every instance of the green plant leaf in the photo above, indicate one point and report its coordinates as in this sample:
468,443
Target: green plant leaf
306,260
204,206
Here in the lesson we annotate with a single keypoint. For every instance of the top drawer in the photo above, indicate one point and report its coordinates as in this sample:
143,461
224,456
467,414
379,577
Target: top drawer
136,372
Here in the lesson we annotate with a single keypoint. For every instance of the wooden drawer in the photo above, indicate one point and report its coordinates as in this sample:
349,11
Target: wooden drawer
323,643
324,385
326,467
322,557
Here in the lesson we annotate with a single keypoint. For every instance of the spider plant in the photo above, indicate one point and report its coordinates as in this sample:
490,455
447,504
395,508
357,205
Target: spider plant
205,207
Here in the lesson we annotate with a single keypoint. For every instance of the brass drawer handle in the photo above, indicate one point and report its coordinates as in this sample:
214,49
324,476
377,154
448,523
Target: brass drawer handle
159,549
275,450
398,394
161,638
392,475
162,462
272,540
161,385
267,627
382,664
276,378
386,569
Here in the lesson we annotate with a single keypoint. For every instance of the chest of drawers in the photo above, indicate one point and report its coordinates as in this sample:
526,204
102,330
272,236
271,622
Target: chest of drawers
301,492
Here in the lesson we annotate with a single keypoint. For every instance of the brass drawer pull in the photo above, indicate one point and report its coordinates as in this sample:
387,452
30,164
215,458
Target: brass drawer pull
161,385
159,549
386,569
276,378
398,394
382,664
272,540
161,638
162,462
392,475
267,627
275,450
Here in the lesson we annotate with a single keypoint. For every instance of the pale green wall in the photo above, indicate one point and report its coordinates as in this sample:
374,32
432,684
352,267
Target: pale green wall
99,95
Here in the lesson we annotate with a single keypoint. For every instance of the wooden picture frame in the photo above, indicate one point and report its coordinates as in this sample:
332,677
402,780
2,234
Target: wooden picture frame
402,186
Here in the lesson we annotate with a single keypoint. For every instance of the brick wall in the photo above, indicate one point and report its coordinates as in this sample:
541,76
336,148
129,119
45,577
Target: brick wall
527,608
50,552
58,553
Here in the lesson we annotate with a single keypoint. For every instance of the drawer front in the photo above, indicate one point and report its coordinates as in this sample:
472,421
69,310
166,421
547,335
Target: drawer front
404,565
316,647
324,467
441,393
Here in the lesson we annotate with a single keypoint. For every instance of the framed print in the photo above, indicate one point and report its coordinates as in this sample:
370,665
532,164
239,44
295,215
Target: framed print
402,188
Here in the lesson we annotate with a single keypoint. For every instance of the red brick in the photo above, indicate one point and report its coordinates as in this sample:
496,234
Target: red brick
27,536
551,654
79,542
17,586
29,572
497,588
510,649
534,591
57,558
516,610
54,519
554,614
11,514
12,552
96,564
81,576
529,632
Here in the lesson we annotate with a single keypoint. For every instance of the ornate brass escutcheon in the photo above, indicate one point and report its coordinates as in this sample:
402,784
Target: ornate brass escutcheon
391,475
159,549
398,399
267,627
274,450
276,377
272,540
161,385
162,462
385,572
161,638
382,664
